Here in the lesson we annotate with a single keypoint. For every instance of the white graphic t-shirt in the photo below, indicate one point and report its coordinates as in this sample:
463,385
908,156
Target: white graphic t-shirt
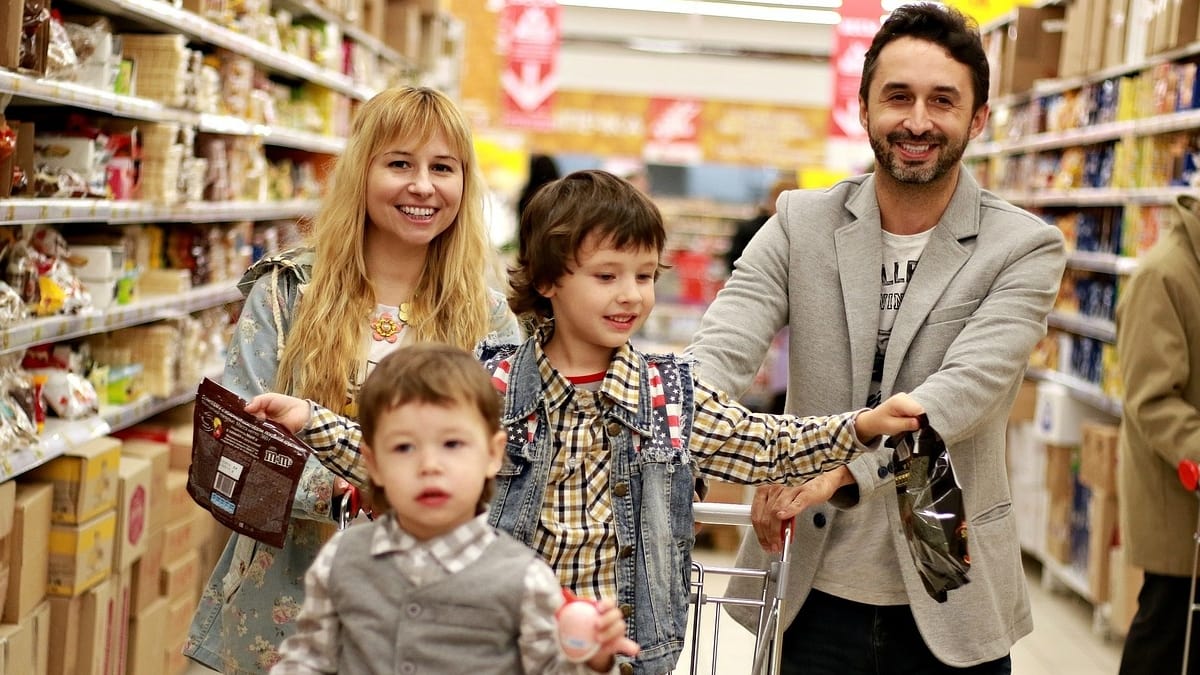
861,539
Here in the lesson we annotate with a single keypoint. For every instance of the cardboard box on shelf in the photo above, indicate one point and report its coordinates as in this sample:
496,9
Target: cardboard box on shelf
118,634
158,454
28,652
28,562
81,627
1073,58
1025,405
1060,493
179,617
723,537
402,28
1102,533
18,644
81,555
1098,456
133,509
181,578
179,536
147,635
1031,48
179,503
145,587
84,479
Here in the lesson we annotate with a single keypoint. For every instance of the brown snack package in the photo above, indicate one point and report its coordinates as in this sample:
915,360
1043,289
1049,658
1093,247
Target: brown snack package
244,470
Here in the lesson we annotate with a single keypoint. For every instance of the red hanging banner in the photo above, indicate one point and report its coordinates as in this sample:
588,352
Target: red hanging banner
529,37
851,39
673,131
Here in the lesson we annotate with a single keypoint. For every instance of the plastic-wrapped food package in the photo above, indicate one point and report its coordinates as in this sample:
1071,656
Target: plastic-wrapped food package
931,509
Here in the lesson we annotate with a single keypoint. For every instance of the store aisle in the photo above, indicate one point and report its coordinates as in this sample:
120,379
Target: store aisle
1062,642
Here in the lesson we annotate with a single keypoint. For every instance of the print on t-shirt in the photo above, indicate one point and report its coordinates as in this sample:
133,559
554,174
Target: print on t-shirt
900,257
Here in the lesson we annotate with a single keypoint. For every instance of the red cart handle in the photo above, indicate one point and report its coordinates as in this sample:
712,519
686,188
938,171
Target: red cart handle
1189,474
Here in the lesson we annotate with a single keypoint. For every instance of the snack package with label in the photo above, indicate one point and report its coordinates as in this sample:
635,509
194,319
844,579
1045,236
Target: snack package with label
931,509
244,470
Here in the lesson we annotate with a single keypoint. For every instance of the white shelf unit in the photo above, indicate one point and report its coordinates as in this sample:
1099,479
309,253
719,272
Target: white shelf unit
59,435
170,18
31,92
145,310
45,211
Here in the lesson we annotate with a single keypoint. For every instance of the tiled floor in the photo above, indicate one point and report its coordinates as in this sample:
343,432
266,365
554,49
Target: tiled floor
1062,642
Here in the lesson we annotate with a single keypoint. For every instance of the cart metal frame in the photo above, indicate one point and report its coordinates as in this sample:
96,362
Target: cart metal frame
768,639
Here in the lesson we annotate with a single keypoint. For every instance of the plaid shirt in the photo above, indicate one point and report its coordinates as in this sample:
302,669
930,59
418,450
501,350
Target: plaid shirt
576,533
314,649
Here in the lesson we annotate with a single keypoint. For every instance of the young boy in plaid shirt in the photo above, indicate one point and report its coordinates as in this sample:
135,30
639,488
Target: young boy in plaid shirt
604,442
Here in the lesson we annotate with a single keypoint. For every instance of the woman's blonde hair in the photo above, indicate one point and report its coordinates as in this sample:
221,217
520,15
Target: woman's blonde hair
450,303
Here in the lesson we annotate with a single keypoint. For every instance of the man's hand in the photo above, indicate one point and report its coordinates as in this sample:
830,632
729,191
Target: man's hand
289,411
773,504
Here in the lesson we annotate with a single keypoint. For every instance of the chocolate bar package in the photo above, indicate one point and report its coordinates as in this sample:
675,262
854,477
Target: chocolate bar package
244,470
931,507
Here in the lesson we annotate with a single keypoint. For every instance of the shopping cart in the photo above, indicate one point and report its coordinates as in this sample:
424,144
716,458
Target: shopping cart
767,639
1189,475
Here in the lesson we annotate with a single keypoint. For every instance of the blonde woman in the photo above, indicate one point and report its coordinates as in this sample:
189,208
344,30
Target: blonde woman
395,256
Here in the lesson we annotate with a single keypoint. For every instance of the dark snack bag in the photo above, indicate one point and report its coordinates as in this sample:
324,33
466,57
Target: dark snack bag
931,509
244,470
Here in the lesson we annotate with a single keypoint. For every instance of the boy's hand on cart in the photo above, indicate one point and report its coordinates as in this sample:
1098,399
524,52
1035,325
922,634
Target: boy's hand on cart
893,417
610,633
289,411
775,504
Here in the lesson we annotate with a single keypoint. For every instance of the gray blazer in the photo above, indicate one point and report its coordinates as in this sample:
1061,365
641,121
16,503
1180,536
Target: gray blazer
973,311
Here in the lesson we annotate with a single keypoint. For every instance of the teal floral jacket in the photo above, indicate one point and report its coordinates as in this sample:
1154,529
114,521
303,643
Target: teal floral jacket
255,592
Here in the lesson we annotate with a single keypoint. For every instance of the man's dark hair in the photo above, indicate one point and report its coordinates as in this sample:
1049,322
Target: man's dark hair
941,25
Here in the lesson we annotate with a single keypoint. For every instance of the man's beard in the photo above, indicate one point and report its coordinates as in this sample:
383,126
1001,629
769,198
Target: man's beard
948,156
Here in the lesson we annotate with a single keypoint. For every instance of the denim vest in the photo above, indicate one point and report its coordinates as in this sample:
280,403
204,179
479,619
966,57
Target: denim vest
651,481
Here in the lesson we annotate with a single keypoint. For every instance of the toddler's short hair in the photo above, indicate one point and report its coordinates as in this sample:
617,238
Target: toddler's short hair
427,372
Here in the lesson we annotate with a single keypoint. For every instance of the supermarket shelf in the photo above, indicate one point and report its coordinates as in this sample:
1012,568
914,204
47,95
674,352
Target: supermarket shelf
145,310
40,211
315,9
1078,197
40,90
1096,133
122,416
1060,85
1080,389
1101,329
60,434
167,17
1065,575
275,136
1101,262
57,436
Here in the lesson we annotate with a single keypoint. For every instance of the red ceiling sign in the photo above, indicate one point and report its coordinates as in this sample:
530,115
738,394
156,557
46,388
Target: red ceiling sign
529,37
851,39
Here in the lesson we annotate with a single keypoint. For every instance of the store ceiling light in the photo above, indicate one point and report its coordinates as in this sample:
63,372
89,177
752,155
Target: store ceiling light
762,10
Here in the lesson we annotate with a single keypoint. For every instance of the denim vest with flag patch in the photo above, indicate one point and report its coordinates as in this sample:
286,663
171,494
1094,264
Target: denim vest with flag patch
651,482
